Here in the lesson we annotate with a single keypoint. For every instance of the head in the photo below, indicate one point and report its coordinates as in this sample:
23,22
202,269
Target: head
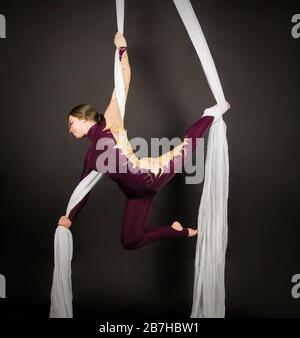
81,118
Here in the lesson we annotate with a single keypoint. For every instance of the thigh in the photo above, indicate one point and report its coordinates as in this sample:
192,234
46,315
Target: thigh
176,163
136,214
166,173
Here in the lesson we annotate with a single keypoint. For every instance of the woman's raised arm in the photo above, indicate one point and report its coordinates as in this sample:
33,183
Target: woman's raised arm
112,113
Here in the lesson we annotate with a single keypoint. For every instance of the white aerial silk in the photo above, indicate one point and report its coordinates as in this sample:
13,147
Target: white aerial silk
209,290
61,292
209,284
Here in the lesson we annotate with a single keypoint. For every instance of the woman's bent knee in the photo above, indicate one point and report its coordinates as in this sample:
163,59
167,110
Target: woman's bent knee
130,244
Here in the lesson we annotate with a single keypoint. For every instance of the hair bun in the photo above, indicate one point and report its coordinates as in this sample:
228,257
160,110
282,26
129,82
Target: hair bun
99,117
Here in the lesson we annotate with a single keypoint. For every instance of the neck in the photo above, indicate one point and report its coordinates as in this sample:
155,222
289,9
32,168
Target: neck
92,130
90,125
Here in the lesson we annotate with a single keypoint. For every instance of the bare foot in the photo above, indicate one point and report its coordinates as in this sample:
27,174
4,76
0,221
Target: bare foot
192,232
177,226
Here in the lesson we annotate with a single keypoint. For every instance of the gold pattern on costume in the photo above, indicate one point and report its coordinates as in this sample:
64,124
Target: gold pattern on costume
155,164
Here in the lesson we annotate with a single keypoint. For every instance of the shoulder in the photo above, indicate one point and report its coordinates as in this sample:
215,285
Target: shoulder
113,124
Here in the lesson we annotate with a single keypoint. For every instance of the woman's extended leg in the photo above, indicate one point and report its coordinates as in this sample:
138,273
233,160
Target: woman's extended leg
193,134
135,230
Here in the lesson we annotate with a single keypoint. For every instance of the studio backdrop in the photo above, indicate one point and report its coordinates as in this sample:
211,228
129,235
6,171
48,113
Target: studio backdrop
55,55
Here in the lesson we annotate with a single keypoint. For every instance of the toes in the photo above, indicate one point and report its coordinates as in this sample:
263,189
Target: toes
192,232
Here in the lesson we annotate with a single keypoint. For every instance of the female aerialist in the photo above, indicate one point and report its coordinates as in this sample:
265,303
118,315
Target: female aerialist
139,186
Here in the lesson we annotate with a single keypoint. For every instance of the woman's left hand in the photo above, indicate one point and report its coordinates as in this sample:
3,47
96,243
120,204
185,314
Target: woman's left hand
64,221
119,40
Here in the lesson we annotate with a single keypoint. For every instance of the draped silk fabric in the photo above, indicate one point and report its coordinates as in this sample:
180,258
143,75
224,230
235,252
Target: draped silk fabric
209,288
209,284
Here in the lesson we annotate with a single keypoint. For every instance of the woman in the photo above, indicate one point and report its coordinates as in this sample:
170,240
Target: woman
139,186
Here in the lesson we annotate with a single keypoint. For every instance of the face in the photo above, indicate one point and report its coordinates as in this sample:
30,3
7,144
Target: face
77,126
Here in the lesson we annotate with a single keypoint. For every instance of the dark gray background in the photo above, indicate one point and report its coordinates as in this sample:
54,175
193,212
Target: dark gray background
59,54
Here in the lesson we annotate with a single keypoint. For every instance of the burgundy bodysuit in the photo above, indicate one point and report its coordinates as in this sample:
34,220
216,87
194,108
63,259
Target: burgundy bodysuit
140,187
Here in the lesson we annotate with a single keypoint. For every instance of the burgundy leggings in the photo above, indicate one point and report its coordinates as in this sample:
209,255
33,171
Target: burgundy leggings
135,229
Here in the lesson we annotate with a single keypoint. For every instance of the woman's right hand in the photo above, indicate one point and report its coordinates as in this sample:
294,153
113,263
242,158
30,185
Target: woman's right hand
65,222
119,40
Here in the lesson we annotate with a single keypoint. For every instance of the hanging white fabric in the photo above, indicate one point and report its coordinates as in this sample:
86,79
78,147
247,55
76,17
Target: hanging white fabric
61,290
209,284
